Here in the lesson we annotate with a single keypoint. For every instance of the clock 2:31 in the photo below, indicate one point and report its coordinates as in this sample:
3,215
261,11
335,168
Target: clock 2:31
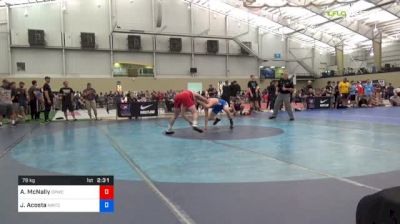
103,180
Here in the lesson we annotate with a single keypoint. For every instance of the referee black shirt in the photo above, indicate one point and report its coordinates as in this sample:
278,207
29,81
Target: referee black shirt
287,83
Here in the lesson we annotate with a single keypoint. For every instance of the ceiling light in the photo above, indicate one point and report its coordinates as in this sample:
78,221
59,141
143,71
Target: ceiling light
375,29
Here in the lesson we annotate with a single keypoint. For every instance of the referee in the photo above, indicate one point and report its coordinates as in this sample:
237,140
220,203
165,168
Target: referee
285,89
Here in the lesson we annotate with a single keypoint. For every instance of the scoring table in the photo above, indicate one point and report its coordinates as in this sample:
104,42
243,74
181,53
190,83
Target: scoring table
66,194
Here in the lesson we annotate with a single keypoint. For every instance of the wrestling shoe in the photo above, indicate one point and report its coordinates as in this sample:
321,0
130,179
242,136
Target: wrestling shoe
197,129
169,132
216,121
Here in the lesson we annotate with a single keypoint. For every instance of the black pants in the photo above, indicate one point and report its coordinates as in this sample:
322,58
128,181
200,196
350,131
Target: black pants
47,109
35,110
271,102
227,99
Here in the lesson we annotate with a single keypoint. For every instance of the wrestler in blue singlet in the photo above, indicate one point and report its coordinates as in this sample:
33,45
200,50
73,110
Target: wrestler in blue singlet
216,109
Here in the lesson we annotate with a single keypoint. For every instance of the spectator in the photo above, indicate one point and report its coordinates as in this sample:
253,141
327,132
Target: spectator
235,89
395,99
212,92
369,90
309,90
353,93
376,100
360,91
22,95
254,93
15,100
344,89
389,91
226,92
89,94
6,104
271,90
328,89
238,106
101,100
35,99
48,98
336,94
66,96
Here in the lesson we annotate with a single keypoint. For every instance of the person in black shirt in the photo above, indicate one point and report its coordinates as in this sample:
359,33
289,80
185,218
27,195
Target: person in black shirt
309,90
212,92
14,97
285,89
35,98
254,91
271,89
235,89
226,92
22,99
48,98
337,95
66,95
328,89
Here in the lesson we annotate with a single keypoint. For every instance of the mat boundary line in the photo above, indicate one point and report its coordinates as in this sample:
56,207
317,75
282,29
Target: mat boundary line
179,213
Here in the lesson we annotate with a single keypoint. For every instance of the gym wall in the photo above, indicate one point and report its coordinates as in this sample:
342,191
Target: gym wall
63,27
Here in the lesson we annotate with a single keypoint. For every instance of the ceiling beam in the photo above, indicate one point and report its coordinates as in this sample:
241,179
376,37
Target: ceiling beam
322,37
354,26
388,7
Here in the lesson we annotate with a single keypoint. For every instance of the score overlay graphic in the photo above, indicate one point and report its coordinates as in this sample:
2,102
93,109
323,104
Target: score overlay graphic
66,194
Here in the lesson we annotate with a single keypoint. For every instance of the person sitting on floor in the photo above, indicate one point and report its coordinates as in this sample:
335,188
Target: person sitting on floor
395,99
376,99
238,107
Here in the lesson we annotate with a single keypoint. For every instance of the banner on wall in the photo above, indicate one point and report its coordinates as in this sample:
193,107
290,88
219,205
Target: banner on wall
195,86
318,102
279,72
139,109
379,82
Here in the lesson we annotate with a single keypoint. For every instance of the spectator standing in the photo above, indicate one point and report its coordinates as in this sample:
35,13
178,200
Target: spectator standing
254,93
6,103
360,92
353,93
14,99
336,94
309,90
344,89
22,100
369,91
35,99
101,100
271,89
48,98
89,94
285,89
226,92
235,89
66,96
212,92
389,91
395,99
